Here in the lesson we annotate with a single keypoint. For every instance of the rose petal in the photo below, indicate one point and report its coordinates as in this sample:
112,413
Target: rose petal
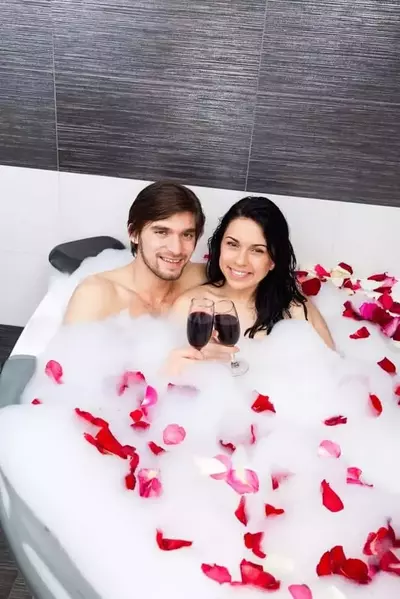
253,542
321,272
36,402
136,415
346,267
335,420
362,333
324,567
242,482
149,483
130,481
128,379
54,371
141,425
330,499
254,575
230,447
241,513
173,434
386,301
220,473
170,544
350,311
357,570
270,510
263,404
311,287
387,366
376,404
218,573
150,397
154,448
353,477
300,591
253,437
92,419
329,448
279,477
110,444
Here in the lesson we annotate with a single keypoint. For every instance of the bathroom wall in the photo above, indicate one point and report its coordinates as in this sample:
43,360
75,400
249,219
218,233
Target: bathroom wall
297,99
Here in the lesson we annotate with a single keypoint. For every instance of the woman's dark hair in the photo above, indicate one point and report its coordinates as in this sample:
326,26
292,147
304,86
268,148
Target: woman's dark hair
279,288
162,200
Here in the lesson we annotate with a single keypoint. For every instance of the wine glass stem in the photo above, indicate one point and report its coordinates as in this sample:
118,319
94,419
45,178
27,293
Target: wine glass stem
234,362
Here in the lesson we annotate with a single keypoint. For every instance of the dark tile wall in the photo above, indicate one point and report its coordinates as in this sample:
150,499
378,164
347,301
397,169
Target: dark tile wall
298,97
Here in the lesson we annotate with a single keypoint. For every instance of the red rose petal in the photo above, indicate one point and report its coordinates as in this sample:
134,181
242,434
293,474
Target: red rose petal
357,570
128,379
311,287
253,437
362,333
110,444
263,404
136,415
387,366
54,371
36,402
277,478
376,404
300,591
241,513
254,575
253,542
92,419
321,272
130,481
230,447
324,567
395,309
335,420
397,391
347,267
154,448
270,510
386,301
141,425
330,499
170,544
218,573
350,311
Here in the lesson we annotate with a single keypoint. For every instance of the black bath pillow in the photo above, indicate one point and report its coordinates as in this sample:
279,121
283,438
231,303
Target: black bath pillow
67,257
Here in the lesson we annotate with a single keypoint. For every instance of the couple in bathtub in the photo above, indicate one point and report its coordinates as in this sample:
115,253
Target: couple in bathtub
251,262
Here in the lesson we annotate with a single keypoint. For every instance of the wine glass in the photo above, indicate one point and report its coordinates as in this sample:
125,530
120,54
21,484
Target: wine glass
226,323
200,322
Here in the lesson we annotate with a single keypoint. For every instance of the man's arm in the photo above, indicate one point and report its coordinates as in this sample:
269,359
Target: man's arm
90,301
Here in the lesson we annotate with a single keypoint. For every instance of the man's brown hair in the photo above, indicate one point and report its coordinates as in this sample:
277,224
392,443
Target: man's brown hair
162,200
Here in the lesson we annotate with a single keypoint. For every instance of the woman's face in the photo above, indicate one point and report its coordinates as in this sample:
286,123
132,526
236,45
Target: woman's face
244,258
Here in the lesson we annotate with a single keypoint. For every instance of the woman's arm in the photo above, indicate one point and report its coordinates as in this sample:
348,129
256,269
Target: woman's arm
315,318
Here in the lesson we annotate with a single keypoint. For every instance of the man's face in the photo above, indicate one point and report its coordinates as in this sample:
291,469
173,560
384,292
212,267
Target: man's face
166,246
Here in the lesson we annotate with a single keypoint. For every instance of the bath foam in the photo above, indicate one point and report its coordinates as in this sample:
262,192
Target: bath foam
297,485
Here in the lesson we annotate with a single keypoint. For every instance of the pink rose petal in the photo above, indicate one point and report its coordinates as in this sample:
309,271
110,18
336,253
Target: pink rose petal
128,379
329,448
150,397
173,434
300,591
354,477
149,483
243,482
54,371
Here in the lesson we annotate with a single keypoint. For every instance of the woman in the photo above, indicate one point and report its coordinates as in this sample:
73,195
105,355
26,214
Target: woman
252,263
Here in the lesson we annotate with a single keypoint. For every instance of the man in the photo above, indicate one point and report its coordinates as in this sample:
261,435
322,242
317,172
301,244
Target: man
165,222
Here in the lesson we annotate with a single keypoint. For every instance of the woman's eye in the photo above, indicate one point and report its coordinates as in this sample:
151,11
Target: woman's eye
231,244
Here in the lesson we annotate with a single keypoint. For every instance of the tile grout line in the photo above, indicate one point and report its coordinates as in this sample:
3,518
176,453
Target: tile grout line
256,98
54,86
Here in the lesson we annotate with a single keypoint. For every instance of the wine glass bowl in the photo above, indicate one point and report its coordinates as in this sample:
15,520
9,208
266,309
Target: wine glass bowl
200,322
227,325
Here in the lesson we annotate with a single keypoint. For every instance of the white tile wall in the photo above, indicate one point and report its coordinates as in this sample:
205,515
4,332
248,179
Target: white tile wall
39,209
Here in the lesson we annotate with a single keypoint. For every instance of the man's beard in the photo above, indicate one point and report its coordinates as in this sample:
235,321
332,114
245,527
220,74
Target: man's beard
158,272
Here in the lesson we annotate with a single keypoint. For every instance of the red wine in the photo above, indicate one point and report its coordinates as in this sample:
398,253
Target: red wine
199,328
228,328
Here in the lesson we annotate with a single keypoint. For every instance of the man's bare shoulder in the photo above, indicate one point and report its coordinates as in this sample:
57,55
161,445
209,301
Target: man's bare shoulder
193,275
91,299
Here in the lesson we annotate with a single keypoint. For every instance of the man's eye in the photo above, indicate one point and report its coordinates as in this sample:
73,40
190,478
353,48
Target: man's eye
161,232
